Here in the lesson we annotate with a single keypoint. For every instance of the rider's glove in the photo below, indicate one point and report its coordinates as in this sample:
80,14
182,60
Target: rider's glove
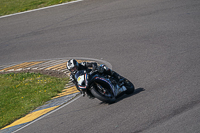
94,68
100,69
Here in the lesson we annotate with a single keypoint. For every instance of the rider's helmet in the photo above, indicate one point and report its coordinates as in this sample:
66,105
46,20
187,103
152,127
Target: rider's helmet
72,65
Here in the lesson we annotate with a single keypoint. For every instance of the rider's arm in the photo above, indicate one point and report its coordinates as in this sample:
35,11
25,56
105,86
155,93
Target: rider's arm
89,64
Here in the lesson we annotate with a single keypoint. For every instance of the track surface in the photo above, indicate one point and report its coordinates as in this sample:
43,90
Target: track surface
153,43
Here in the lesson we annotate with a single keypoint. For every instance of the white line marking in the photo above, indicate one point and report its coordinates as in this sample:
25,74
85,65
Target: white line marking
48,113
40,9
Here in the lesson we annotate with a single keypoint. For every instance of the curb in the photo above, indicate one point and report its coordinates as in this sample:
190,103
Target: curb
48,66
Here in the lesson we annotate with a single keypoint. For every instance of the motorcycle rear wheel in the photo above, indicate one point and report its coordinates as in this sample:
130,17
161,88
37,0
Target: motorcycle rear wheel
129,86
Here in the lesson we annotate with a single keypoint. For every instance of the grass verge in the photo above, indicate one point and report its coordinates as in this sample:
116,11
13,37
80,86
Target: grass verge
15,6
21,93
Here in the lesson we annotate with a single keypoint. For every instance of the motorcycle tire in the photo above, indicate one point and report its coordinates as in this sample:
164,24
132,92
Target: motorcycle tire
101,97
129,86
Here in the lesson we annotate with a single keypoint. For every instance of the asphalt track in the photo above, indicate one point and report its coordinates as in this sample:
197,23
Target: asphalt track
153,43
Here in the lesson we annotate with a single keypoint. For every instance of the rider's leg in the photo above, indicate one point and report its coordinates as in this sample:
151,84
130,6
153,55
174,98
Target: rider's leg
113,74
117,76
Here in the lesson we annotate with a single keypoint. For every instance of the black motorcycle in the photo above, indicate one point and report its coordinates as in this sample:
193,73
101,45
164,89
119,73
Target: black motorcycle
102,87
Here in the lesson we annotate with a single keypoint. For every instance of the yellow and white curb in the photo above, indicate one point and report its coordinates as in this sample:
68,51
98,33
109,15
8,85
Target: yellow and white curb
67,94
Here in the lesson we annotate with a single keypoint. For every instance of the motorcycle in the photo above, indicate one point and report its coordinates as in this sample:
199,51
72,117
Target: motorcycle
101,86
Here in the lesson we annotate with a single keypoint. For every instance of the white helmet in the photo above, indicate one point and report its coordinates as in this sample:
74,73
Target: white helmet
72,65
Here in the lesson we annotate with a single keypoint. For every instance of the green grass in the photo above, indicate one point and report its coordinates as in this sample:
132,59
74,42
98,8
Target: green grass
21,93
15,6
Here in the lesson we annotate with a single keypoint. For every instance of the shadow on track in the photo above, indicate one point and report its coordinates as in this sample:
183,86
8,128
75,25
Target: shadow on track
94,105
138,90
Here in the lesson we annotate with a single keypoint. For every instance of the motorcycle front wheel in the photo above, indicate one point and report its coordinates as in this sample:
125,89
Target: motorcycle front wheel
99,95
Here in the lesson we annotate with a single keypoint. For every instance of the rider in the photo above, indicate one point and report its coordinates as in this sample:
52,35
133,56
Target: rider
73,66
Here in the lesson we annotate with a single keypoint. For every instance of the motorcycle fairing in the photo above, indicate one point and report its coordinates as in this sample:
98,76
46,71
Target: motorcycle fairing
111,86
81,77
82,81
